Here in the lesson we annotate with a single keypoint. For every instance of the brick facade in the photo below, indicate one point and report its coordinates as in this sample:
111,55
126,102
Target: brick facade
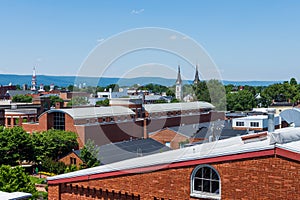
71,159
115,129
269,177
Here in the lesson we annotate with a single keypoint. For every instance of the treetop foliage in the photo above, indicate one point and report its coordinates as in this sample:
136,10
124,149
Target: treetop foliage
13,179
89,154
16,145
22,98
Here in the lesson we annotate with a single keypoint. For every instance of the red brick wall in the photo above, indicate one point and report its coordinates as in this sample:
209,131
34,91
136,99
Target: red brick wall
111,132
154,124
44,124
261,178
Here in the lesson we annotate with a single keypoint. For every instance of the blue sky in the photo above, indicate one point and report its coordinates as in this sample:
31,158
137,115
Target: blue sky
248,40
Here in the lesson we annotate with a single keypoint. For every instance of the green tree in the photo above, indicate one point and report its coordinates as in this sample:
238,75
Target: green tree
211,91
89,154
201,91
46,88
15,180
171,92
49,165
53,144
293,81
174,100
155,88
15,146
104,102
240,101
114,87
100,89
55,99
70,88
78,101
22,98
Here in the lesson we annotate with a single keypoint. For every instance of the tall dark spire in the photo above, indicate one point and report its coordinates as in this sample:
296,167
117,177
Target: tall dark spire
178,81
196,79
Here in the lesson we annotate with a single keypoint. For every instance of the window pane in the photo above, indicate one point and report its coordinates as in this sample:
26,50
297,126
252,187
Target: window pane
214,175
199,173
215,187
206,172
197,184
206,186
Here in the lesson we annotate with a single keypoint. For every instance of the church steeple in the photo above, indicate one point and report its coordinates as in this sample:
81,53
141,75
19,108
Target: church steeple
178,81
196,79
178,92
33,80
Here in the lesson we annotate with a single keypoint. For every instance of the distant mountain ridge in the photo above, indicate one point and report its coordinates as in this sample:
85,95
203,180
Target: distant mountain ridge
64,81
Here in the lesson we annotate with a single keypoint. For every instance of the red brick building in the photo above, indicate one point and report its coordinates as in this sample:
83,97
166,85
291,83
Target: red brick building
258,166
159,116
117,123
172,138
72,158
101,124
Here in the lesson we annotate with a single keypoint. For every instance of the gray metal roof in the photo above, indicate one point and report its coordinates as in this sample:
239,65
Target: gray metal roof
13,93
90,112
231,146
165,107
14,195
203,130
119,151
153,97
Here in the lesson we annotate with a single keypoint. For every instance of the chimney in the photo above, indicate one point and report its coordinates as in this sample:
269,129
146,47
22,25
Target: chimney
271,121
145,128
25,87
58,105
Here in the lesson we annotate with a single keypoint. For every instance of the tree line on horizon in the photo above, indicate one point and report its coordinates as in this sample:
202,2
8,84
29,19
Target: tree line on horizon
224,97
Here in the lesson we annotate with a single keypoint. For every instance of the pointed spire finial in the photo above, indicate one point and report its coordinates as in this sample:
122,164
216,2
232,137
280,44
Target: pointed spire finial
178,81
196,79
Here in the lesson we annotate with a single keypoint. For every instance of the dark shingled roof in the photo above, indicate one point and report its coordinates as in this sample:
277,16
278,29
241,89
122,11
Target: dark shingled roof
204,130
118,151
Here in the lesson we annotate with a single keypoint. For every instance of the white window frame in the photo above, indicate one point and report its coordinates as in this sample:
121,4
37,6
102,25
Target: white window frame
240,123
204,195
253,124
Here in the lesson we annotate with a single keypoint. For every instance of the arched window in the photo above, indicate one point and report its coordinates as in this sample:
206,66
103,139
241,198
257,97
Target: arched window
205,182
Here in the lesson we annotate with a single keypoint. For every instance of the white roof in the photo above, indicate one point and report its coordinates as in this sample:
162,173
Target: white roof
90,112
254,117
231,146
14,195
291,146
165,107
21,111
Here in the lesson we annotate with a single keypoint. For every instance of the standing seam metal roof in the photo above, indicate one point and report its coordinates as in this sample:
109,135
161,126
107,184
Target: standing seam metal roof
165,107
226,147
90,112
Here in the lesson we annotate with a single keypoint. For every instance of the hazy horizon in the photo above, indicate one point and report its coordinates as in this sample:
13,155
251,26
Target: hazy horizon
247,40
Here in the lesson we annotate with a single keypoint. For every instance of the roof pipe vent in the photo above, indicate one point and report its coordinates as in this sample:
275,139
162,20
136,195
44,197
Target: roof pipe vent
271,121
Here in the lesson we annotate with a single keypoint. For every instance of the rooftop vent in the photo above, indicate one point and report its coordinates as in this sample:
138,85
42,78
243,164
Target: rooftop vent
285,136
271,121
